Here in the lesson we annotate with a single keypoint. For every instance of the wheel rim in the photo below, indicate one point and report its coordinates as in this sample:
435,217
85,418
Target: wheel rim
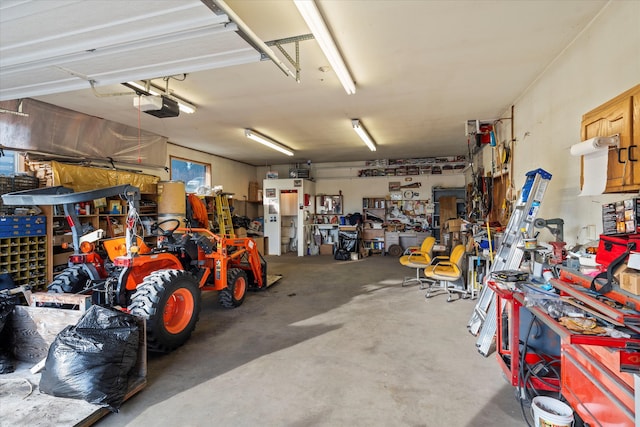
239,288
178,311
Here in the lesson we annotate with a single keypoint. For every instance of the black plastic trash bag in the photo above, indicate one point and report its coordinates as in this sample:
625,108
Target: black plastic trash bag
342,255
349,240
7,302
93,359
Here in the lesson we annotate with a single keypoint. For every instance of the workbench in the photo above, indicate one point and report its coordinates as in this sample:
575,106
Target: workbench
596,372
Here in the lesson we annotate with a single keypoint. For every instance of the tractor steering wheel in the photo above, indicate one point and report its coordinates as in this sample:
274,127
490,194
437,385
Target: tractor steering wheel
169,232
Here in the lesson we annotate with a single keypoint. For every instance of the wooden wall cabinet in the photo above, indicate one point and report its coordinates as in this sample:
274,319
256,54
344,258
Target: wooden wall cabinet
620,115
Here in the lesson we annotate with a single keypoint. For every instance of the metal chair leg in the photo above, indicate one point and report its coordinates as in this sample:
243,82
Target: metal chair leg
419,280
445,285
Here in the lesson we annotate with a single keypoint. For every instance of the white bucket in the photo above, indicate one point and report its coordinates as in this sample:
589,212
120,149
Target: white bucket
550,412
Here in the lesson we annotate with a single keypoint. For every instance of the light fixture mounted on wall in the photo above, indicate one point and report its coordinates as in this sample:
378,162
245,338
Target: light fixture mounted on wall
363,134
265,140
316,24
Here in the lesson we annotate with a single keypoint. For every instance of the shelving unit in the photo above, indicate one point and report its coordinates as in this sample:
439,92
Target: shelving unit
23,249
25,259
411,214
447,207
110,216
57,227
374,212
328,209
411,167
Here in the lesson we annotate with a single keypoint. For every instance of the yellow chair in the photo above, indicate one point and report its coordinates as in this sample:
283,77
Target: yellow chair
447,271
418,258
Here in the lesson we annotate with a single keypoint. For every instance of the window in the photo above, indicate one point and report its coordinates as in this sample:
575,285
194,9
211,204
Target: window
8,163
193,174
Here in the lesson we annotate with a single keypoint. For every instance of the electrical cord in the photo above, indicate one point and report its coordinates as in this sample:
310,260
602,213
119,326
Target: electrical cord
527,373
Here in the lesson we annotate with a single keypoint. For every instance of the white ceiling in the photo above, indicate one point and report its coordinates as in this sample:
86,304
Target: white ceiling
421,67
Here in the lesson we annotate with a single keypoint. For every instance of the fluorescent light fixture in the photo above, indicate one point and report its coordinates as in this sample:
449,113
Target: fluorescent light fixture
363,134
184,106
311,15
264,140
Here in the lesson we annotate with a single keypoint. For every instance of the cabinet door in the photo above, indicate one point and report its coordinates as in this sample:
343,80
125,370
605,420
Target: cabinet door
620,115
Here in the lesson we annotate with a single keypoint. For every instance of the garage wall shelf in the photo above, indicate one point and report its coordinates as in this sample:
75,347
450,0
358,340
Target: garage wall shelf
417,166
374,210
25,259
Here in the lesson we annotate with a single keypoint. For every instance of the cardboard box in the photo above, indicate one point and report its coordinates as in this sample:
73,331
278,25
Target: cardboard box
630,281
453,225
253,192
61,258
263,244
326,249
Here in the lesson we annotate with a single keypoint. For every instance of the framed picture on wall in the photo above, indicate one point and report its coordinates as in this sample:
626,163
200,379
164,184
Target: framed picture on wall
115,207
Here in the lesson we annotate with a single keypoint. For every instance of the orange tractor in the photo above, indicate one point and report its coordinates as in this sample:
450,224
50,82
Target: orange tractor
162,284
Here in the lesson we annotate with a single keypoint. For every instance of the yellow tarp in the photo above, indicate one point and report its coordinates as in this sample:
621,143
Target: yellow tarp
83,178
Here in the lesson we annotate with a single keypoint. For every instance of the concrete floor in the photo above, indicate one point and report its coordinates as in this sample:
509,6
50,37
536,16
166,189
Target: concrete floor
333,343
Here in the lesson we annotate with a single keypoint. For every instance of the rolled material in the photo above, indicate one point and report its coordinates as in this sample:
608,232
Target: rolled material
595,152
592,145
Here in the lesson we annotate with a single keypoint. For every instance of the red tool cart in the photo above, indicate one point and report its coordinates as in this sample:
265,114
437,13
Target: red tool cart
596,372
509,343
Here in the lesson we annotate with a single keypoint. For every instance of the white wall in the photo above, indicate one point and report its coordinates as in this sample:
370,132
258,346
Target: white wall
601,63
331,178
355,189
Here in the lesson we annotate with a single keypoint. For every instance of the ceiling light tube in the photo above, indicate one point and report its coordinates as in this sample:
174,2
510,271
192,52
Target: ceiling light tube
264,140
363,134
311,15
183,105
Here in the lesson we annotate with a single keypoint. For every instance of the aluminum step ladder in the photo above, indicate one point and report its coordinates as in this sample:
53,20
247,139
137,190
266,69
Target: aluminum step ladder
223,213
483,321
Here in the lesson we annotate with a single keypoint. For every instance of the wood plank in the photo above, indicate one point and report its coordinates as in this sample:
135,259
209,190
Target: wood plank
22,402
35,328
83,302
23,405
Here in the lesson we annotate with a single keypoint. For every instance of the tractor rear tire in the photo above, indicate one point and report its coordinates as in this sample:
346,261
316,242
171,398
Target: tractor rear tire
170,302
72,280
237,283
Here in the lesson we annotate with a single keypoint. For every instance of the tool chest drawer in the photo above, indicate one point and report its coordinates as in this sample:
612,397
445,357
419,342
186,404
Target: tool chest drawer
595,388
